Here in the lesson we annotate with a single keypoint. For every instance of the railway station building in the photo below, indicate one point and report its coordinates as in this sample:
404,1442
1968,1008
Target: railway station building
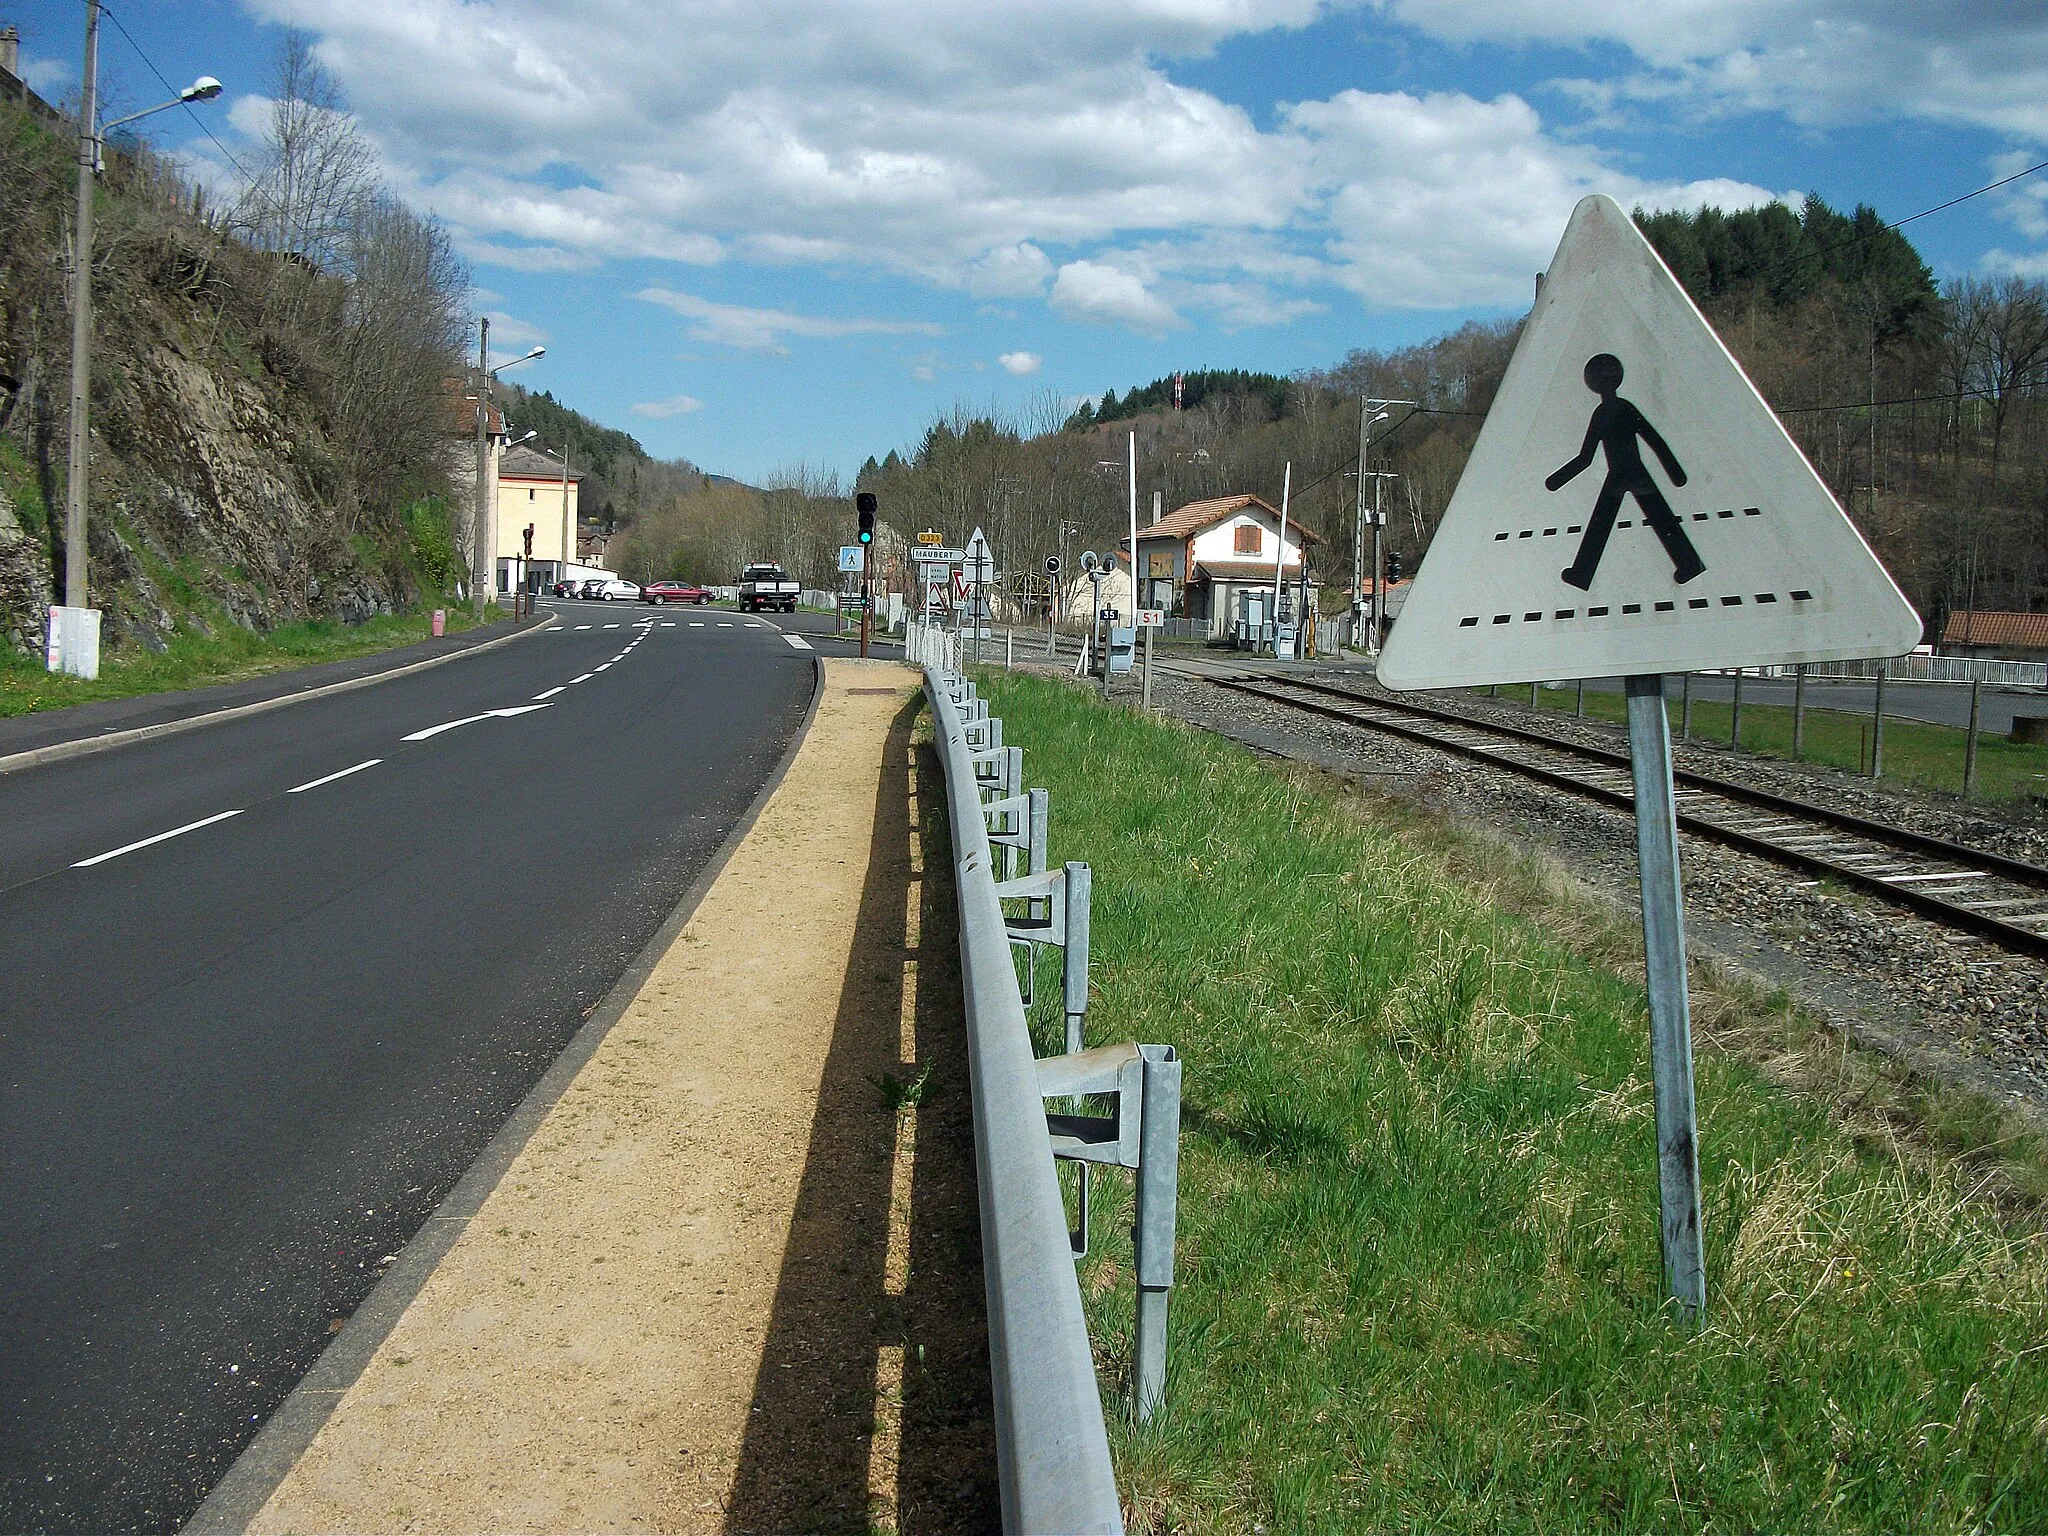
1199,561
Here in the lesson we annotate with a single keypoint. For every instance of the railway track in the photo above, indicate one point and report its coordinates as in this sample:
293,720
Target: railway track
1998,898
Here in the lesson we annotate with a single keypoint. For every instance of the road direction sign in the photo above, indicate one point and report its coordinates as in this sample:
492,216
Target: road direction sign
850,559
1632,505
933,554
931,536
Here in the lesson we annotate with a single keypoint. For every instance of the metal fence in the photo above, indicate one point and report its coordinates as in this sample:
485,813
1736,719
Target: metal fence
1932,669
1052,1449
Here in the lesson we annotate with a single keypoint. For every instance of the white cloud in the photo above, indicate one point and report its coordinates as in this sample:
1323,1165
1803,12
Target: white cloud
763,330
674,405
1981,62
1042,150
1021,364
1103,295
516,335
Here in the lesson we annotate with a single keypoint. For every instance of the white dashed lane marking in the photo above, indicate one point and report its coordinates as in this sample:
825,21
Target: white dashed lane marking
550,693
300,789
190,826
586,677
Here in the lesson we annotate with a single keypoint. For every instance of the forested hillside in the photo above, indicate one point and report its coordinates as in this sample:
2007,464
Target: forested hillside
1920,404
269,384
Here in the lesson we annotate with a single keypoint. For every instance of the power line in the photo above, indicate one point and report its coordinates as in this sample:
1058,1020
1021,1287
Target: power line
198,121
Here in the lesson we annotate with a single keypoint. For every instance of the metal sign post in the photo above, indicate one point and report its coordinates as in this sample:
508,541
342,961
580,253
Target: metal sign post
1731,554
1678,1164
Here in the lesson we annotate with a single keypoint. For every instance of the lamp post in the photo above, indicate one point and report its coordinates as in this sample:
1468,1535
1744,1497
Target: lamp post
80,652
480,562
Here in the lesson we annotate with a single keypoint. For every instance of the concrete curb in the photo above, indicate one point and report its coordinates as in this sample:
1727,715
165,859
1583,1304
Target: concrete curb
86,745
246,1487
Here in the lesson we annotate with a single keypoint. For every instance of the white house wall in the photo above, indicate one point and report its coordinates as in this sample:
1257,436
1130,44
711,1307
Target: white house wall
1219,543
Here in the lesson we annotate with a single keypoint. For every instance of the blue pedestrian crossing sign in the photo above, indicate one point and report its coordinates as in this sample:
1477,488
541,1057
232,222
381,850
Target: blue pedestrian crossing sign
1633,506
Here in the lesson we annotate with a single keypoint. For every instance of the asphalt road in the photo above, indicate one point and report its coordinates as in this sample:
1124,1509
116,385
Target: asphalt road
271,985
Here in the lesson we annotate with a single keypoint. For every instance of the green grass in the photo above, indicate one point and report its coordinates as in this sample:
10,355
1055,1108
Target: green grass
1417,1283
1928,756
230,654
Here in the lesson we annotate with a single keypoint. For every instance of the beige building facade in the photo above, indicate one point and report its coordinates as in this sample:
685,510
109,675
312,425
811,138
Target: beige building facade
533,491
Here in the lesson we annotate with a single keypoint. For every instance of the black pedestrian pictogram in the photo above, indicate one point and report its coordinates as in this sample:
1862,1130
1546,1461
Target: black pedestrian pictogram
1615,426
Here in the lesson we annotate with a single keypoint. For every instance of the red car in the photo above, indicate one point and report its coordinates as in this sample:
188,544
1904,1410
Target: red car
673,592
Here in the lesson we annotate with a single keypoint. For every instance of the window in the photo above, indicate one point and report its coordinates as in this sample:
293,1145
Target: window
1248,538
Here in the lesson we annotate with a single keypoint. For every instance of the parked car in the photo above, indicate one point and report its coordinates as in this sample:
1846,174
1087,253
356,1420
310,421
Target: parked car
591,589
612,589
563,588
659,592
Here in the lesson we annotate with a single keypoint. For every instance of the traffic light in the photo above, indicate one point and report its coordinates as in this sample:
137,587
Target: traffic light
1393,566
864,501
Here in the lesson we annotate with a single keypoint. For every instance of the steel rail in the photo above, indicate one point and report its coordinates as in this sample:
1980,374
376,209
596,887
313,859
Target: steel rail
1052,1447
1948,913
2016,870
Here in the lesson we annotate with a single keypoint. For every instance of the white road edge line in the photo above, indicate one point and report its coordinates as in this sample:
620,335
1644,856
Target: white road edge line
300,789
115,853
549,694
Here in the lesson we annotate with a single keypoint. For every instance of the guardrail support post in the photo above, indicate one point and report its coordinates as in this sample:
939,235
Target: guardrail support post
1041,804
1152,1237
1074,977
1877,728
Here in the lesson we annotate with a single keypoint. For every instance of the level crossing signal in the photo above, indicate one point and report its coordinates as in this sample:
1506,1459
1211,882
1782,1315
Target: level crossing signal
1393,566
1052,565
864,503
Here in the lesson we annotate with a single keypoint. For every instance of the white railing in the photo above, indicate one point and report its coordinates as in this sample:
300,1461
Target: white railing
1930,669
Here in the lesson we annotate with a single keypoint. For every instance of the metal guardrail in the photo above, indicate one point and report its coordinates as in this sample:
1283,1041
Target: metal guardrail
1052,1450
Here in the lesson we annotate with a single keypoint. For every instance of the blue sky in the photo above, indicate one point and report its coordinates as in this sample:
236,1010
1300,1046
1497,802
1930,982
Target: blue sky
791,231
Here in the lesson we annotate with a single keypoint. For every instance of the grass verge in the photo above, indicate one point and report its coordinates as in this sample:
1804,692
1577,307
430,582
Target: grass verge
229,655
1915,751
1418,1279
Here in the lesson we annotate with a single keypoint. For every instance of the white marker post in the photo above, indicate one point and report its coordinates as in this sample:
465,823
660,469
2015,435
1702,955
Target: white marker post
1626,441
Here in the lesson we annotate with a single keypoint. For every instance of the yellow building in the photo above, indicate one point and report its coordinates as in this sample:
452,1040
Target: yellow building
535,491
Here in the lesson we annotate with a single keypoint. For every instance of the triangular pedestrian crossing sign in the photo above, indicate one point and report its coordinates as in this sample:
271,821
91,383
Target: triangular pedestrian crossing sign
1633,506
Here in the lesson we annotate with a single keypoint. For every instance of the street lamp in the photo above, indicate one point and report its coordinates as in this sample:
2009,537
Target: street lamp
77,643
482,522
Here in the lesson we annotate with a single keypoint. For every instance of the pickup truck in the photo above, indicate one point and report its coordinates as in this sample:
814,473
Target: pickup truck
767,586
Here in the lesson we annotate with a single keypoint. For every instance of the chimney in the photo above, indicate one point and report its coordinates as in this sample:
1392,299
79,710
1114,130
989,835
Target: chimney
1156,514
10,51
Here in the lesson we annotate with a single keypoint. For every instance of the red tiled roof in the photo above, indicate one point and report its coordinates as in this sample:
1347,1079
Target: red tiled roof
1978,627
461,407
1197,515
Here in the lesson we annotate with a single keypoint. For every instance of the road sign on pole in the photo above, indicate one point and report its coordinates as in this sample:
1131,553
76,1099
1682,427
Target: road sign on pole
850,558
1633,506
1729,553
